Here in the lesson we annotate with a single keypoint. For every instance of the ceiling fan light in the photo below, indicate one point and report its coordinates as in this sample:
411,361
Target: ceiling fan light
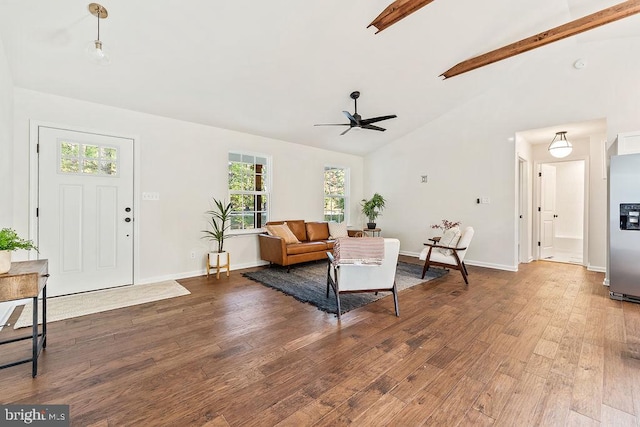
559,146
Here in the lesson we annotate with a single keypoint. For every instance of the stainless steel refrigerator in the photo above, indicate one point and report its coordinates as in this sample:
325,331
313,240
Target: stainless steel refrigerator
624,227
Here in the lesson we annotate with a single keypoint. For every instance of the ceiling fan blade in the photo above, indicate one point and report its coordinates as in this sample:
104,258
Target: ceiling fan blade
347,130
377,119
373,127
333,124
350,117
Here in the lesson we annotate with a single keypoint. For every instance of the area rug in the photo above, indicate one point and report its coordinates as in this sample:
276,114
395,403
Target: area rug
66,307
308,283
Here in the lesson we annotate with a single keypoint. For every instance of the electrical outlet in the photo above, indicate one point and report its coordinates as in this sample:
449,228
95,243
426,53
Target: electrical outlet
193,254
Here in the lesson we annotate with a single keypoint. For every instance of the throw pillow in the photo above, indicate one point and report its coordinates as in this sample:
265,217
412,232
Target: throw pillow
337,230
449,238
283,231
317,231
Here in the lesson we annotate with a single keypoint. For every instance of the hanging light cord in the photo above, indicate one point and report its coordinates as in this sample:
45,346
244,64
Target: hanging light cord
98,15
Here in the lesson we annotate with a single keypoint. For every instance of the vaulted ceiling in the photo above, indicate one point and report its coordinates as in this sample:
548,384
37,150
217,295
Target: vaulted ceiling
276,68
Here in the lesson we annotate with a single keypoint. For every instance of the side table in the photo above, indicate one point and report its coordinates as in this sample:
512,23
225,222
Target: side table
373,232
27,279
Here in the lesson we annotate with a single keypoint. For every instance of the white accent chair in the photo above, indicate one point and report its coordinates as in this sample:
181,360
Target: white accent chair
350,278
433,254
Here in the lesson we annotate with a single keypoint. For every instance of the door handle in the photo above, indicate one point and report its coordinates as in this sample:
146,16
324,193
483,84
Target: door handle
127,220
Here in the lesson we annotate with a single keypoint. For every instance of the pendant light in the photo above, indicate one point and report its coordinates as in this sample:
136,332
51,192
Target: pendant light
560,147
95,51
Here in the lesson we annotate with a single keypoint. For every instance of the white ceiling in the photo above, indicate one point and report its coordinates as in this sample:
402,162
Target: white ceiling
276,68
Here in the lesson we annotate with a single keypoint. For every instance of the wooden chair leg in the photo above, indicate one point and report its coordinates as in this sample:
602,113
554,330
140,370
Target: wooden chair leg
395,299
464,274
425,268
465,268
338,303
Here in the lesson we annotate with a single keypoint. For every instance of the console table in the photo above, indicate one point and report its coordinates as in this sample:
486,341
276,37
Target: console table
27,279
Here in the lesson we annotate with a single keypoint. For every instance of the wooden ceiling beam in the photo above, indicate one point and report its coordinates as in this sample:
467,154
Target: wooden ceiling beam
396,11
605,16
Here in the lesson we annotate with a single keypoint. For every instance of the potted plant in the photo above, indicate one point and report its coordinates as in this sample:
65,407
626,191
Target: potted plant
372,208
9,242
446,224
219,221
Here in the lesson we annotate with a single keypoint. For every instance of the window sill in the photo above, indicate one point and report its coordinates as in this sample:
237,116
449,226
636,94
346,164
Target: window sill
238,233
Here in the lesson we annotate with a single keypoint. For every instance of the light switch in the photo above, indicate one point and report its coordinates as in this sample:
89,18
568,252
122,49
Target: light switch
150,195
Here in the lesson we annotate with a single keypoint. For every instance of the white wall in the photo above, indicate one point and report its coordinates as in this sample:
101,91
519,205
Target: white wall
466,154
187,164
6,142
570,199
6,157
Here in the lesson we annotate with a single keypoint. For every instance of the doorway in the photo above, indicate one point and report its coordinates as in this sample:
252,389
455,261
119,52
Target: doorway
561,211
85,209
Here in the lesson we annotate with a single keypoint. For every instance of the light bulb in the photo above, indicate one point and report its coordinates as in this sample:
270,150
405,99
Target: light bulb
97,54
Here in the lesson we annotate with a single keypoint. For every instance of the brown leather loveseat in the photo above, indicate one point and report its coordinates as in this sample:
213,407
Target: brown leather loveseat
313,243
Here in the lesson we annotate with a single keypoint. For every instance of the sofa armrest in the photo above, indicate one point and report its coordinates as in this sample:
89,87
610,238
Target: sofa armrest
272,249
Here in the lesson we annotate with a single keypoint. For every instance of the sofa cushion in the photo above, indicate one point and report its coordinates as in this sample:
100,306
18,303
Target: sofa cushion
283,231
295,225
305,248
338,229
317,231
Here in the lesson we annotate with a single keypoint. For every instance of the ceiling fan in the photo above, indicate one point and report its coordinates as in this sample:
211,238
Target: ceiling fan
356,121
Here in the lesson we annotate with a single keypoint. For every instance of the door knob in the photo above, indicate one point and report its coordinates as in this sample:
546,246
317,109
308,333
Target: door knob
127,220
127,209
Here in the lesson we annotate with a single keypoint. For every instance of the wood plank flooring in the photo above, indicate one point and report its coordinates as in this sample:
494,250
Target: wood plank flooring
544,346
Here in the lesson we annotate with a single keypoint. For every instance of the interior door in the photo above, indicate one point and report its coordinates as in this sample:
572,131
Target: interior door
547,209
85,209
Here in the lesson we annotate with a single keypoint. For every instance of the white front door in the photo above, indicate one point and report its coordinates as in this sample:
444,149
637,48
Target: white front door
547,209
85,209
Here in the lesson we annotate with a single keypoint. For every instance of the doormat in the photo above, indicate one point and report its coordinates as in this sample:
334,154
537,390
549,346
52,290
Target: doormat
69,306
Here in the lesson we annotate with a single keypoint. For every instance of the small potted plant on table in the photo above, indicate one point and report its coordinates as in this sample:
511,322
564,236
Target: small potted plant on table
219,221
9,242
372,208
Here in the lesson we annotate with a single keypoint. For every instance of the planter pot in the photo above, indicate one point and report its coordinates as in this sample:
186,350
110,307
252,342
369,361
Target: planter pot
371,225
219,261
5,261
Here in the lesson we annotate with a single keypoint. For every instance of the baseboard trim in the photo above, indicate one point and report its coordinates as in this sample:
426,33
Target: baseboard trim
512,268
597,268
196,273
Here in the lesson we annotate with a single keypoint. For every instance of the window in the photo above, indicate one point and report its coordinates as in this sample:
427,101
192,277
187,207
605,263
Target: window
248,190
336,184
87,159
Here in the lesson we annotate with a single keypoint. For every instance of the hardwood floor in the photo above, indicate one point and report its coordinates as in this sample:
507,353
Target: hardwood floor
543,346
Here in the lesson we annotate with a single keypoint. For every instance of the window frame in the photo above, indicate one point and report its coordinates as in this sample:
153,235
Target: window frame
267,180
346,196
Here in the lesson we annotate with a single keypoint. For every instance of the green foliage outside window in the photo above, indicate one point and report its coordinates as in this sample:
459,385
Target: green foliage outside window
334,194
248,191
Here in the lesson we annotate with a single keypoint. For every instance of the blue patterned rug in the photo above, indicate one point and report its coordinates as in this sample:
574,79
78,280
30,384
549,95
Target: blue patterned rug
308,283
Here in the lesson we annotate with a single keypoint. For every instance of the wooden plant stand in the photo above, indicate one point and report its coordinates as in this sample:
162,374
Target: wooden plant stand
218,265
